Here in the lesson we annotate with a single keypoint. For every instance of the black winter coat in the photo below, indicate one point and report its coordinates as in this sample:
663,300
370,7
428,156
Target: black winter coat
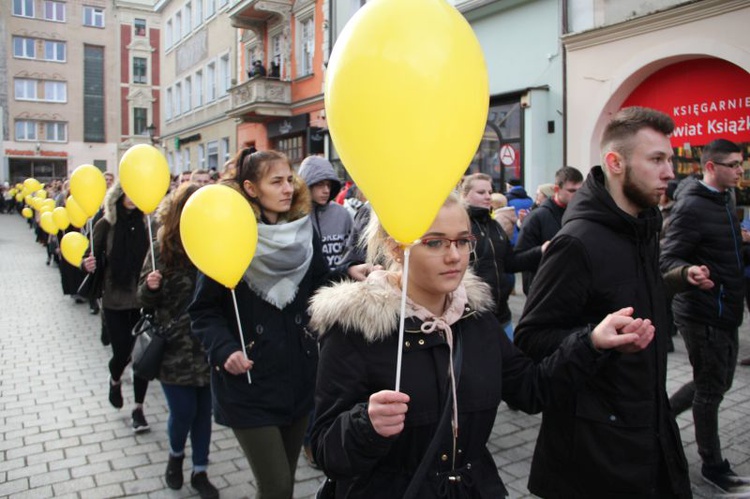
539,226
494,257
358,323
283,350
616,437
704,230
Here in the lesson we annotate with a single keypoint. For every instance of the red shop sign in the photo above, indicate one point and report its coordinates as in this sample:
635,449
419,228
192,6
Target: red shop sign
707,98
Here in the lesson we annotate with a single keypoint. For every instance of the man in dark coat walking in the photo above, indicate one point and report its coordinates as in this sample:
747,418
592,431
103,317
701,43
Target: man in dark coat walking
543,223
616,437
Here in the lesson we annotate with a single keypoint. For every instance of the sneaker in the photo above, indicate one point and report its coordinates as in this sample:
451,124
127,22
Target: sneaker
115,394
173,475
139,421
205,489
723,478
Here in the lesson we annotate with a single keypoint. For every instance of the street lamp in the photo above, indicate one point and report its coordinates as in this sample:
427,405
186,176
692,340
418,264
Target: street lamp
151,129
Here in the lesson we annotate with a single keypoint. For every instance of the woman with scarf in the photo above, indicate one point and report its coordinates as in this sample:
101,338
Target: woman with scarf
121,236
268,409
370,439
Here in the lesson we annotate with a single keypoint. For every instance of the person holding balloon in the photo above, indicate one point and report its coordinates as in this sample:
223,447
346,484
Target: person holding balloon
184,374
370,439
263,372
122,234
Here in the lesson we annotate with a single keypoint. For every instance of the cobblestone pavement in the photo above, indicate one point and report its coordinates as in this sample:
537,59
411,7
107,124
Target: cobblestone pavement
59,437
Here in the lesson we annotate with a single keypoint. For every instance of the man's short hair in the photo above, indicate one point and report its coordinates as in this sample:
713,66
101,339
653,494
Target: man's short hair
568,174
628,122
199,172
718,150
515,182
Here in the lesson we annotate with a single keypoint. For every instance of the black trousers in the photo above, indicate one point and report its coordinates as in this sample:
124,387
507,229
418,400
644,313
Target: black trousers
120,326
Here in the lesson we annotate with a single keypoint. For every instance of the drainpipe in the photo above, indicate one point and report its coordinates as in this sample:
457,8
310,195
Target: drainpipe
564,31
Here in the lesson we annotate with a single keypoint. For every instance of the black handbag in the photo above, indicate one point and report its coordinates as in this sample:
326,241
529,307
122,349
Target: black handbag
151,340
92,285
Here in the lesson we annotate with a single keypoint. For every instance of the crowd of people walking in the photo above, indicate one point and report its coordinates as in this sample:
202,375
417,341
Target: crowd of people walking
301,355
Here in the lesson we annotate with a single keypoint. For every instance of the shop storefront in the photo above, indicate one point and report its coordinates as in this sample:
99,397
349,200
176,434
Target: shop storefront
45,166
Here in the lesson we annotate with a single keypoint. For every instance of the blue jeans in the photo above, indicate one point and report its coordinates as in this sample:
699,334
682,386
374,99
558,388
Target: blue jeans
713,355
189,413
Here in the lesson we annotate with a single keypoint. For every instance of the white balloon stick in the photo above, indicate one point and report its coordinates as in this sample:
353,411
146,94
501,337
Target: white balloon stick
151,242
242,335
404,285
91,236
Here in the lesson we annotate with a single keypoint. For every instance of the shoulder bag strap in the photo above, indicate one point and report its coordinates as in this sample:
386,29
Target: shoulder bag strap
418,478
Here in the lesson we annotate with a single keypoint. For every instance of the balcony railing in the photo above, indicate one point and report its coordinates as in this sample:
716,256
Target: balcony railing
260,97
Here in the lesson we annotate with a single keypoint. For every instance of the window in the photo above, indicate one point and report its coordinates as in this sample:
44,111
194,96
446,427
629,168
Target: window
168,104
25,89
177,27
178,99
56,131
139,26
276,56
168,34
305,46
54,11
213,155
188,24
170,161
201,156
139,70
25,130
54,51
198,88
293,147
188,94
198,17
55,91
93,16
186,159
222,3
224,75
225,149
23,8
140,117
210,8
24,47
211,82
93,94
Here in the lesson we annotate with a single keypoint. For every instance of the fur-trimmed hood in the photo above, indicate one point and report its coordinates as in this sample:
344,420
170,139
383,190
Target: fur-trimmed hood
372,307
301,201
110,203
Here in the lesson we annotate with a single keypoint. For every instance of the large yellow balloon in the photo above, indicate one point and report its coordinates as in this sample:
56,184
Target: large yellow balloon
41,194
60,216
27,213
19,197
47,223
31,185
219,233
73,246
406,98
87,186
144,176
76,215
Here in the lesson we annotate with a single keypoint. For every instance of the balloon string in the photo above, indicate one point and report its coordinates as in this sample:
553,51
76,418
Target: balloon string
91,236
404,284
242,335
151,242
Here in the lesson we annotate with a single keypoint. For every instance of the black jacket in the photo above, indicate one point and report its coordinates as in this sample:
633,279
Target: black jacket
704,230
283,350
539,226
494,257
616,437
358,324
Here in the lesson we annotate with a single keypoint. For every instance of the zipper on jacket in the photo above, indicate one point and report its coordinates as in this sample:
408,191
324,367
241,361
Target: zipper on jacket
721,305
734,237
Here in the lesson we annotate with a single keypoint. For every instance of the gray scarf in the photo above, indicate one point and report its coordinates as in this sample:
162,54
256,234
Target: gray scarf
281,260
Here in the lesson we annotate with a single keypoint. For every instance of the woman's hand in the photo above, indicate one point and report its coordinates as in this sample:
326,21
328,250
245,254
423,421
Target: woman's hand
153,280
237,363
620,331
89,264
361,271
387,412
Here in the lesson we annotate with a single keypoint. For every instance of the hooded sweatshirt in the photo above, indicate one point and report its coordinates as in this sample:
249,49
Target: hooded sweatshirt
332,221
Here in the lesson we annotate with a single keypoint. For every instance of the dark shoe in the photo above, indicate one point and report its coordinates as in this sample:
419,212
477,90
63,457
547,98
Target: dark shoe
173,476
139,421
745,362
93,310
104,337
115,394
723,478
205,489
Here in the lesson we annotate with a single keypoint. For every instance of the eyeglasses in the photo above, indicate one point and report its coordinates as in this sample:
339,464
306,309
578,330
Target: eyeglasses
733,164
442,245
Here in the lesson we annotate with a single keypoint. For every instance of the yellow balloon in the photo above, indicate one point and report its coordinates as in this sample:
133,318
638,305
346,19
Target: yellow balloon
41,194
219,233
60,216
19,197
76,214
144,176
73,246
50,203
31,185
87,186
29,200
47,223
13,192
407,95
27,213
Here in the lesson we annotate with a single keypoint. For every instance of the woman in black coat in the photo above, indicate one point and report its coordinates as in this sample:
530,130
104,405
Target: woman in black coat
370,439
268,415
